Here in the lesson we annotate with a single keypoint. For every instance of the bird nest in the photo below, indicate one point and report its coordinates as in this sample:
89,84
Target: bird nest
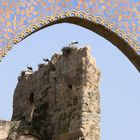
68,50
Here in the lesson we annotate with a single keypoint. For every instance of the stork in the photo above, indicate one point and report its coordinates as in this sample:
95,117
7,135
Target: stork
30,68
73,43
46,60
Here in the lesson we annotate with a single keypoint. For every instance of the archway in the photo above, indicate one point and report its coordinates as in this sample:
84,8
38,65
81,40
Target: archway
52,33
129,46
96,24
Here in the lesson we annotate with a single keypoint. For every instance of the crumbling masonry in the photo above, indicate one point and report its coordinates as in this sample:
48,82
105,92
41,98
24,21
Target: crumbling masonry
60,101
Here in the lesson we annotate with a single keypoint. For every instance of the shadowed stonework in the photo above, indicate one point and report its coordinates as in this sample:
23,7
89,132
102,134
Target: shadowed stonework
60,101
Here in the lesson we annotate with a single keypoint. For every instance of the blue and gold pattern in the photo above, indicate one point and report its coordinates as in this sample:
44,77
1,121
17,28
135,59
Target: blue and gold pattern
18,18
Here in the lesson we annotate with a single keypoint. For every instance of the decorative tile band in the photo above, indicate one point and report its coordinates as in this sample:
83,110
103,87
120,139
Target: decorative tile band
56,17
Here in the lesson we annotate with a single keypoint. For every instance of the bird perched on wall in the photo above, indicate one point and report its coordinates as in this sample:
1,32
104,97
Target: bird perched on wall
73,43
46,60
29,68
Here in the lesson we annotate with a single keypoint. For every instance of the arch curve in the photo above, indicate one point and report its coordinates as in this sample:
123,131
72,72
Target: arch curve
94,23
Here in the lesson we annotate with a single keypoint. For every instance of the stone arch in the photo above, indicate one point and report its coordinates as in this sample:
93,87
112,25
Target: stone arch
97,24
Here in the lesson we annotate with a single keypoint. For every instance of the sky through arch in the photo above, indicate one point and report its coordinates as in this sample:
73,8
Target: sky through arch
119,82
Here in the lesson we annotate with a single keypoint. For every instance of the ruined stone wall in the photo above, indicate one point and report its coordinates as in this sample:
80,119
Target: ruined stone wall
60,101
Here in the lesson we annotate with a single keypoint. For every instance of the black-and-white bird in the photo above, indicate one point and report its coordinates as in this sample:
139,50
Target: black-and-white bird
29,68
46,60
73,43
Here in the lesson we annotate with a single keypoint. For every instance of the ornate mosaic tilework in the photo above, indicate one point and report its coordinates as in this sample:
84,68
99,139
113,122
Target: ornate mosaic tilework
21,17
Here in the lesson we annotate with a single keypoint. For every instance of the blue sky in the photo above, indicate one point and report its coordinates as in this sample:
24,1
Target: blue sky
119,85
